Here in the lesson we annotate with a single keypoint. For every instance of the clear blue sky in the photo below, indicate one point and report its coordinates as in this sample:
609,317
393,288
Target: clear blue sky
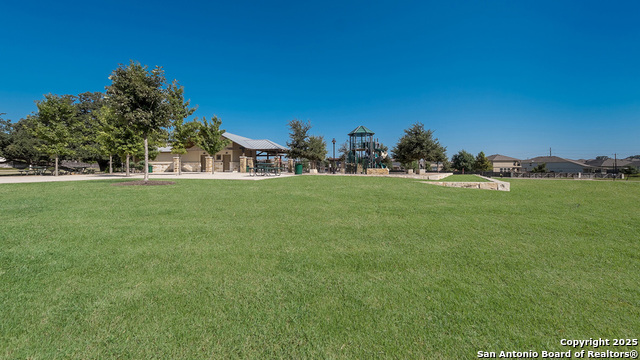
508,77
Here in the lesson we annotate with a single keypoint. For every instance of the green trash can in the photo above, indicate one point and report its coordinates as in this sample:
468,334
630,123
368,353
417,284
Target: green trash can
150,168
298,169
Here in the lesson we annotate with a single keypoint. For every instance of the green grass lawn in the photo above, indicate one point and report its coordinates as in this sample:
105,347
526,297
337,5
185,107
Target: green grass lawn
463,178
315,267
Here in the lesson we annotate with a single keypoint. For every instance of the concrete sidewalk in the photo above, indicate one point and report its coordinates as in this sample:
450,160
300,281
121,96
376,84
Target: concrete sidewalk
17,179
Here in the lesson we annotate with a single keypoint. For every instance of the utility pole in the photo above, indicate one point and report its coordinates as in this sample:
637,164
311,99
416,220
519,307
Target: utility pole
549,151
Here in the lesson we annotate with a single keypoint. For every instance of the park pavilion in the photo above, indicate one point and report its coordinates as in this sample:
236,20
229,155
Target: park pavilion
236,157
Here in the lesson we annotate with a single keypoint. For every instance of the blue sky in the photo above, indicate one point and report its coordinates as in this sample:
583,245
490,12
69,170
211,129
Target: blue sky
508,77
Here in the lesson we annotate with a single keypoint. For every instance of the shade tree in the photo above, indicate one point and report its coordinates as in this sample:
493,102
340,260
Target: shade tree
140,98
481,163
56,125
463,161
417,144
209,137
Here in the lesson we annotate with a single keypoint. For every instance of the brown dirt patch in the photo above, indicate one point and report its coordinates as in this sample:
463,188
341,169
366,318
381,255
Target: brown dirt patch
143,183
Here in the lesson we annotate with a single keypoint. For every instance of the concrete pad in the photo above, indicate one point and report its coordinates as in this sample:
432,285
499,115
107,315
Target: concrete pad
18,179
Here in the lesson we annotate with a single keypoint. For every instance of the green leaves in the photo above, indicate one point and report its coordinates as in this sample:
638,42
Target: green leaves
463,161
418,143
209,136
55,124
141,99
482,163
299,135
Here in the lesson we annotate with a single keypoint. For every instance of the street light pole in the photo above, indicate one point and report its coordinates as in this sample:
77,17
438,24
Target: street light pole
334,155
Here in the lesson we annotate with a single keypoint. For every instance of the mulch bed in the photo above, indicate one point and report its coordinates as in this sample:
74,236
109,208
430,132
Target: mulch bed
144,183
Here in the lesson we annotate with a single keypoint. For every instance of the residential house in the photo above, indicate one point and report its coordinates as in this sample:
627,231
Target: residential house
503,163
556,164
611,165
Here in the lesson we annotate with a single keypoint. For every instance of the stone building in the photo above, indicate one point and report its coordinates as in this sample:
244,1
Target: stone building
242,152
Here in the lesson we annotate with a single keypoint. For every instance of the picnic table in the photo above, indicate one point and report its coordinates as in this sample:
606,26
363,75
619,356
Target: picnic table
34,170
264,170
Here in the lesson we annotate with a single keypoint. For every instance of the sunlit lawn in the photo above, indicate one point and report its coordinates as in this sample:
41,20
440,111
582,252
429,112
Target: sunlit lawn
314,267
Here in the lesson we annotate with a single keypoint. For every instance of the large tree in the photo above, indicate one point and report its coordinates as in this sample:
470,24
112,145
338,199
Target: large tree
115,138
140,99
481,163
56,124
316,151
441,157
299,135
23,145
86,145
463,161
210,139
416,144
183,135
5,135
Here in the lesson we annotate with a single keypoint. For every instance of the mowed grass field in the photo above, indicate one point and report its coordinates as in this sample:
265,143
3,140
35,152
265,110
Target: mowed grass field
315,267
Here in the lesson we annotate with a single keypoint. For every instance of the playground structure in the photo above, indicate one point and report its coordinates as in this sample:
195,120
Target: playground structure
364,153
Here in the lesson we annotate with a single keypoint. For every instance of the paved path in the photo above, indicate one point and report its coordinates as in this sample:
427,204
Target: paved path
167,176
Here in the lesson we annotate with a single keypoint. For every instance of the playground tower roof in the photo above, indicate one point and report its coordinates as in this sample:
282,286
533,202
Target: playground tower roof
361,130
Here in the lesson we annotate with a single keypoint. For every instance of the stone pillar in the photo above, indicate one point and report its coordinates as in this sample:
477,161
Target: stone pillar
290,165
243,164
208,164
250,162
176,164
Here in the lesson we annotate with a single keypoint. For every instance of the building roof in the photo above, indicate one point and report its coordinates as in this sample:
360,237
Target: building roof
361,130
498,157
608,163
553,159
251,144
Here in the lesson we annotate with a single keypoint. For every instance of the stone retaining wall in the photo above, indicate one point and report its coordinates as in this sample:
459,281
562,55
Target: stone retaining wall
493,184
376,171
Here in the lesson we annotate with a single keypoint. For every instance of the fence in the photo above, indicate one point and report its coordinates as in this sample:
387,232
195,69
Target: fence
567,175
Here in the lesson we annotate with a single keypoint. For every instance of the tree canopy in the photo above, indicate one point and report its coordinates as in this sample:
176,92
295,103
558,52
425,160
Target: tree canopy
299,135
416,144
5,135
210,138
317,149
541,168
55,125
462,161
142,100
183,135
481,163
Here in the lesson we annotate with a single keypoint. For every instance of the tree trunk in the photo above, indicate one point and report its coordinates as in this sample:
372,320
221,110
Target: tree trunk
179,164
110,164
127,171
146,159
213,165
56,165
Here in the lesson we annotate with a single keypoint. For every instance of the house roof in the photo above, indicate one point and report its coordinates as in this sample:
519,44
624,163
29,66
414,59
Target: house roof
361,130
553,159
608,163
498,157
